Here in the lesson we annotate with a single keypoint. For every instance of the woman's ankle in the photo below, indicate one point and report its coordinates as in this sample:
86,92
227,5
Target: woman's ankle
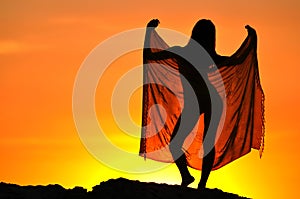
187,180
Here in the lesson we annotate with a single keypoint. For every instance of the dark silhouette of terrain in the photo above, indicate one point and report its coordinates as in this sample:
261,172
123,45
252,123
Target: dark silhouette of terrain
111,189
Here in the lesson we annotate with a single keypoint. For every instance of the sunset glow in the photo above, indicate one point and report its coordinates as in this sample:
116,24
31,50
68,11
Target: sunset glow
44,43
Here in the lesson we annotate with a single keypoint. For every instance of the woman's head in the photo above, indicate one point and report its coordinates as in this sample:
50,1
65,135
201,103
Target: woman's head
204,32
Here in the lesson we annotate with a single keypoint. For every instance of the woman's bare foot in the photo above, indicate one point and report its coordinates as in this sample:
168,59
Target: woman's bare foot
201,186
187,180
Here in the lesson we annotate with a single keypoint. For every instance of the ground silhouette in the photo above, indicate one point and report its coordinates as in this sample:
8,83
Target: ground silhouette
112,189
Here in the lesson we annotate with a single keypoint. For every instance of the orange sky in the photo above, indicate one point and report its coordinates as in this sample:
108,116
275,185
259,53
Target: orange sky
43,43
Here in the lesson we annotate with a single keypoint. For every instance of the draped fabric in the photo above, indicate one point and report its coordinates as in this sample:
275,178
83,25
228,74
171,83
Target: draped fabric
243,118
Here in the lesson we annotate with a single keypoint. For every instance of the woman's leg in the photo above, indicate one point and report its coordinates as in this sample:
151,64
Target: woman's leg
180,132
186,177
209,142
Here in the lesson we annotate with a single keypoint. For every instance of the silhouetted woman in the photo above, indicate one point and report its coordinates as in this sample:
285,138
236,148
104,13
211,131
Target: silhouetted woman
194,84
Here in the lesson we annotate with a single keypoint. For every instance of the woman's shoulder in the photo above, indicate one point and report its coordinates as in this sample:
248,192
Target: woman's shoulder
219,59
175,49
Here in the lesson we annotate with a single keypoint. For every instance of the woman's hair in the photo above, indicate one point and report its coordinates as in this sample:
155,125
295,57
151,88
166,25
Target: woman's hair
204,32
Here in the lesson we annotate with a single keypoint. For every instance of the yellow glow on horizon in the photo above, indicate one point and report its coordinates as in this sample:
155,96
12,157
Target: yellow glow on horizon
42,45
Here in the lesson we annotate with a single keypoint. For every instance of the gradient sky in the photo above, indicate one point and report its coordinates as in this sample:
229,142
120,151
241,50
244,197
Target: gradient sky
43,43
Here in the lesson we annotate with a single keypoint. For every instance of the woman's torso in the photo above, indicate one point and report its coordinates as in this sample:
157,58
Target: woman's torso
193,75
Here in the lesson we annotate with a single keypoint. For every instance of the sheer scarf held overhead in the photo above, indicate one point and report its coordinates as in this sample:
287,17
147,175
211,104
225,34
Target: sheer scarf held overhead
243,126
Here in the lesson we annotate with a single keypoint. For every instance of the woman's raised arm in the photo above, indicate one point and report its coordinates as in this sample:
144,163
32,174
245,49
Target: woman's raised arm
240,55
147,53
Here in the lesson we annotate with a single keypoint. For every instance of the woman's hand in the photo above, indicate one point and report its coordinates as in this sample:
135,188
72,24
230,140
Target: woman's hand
250,30
153,23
